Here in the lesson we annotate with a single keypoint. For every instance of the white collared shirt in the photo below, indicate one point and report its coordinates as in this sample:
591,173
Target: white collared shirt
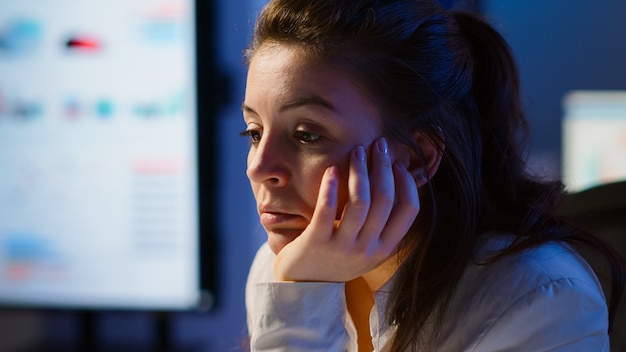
543,299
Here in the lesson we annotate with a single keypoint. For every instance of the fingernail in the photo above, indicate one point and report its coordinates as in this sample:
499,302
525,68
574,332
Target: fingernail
382,146
333,170
359,153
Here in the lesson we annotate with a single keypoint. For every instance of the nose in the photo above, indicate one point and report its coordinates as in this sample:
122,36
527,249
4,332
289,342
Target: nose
267,162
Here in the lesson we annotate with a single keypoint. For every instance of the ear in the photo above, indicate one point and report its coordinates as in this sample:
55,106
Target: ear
423,167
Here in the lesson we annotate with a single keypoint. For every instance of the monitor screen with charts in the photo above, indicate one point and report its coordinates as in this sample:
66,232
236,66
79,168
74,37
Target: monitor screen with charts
99,154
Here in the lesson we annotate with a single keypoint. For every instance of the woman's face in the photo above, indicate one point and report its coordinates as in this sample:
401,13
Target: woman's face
301,116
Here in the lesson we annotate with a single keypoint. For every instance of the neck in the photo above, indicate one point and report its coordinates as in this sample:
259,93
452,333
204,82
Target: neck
360,299
376,278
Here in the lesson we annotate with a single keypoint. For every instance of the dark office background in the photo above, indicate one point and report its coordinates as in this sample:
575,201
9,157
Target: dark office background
561,45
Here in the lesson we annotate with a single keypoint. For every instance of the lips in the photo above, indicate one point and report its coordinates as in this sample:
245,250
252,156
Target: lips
270,217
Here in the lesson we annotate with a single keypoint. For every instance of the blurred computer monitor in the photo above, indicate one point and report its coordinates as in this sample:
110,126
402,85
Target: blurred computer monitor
99,185
594,138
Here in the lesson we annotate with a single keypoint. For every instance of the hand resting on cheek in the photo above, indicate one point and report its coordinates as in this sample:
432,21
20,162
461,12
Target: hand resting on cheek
382,204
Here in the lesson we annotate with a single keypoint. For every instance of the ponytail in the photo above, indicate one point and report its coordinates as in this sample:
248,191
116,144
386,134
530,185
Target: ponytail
532,203
504,132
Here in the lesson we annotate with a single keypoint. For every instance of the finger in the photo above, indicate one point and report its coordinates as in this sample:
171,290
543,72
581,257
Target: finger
382,192
404,211
358,203
323,218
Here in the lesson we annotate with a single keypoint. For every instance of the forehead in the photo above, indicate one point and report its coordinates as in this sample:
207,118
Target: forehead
281,73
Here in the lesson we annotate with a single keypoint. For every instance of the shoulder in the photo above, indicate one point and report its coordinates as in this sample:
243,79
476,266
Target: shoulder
261,271
262,268
519,274
548,295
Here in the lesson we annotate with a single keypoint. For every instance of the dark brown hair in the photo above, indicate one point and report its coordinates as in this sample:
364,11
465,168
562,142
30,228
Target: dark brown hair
451,76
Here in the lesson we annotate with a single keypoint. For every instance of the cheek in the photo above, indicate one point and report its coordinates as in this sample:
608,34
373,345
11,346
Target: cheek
311,178
309,182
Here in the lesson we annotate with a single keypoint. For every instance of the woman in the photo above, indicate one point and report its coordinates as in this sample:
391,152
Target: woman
387,167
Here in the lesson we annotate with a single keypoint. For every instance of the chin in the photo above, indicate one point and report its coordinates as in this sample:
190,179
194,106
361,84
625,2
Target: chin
278,240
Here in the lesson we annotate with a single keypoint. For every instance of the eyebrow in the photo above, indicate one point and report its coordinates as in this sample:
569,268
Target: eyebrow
315,100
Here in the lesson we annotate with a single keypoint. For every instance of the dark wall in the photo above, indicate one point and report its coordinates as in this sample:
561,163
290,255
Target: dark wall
561,45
